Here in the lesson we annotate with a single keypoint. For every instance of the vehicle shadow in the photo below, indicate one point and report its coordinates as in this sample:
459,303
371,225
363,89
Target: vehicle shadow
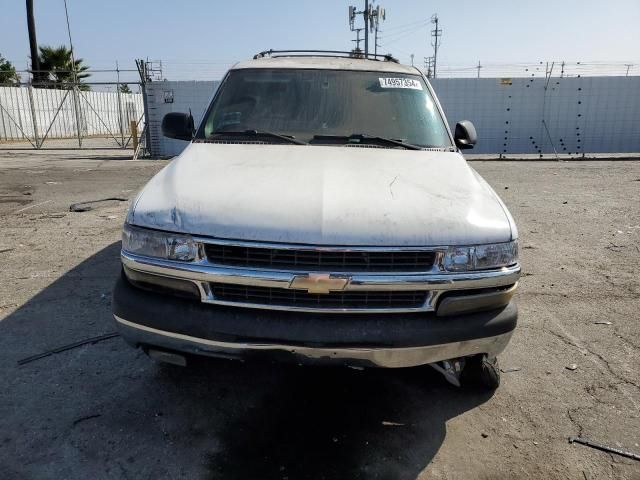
105,410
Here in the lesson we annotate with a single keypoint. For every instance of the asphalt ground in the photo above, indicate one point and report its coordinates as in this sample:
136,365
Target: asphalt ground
104,410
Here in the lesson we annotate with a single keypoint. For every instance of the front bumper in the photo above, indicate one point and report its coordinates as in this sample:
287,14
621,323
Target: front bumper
149,319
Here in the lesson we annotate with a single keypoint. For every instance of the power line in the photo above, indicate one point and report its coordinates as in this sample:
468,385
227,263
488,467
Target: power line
410,24
403,32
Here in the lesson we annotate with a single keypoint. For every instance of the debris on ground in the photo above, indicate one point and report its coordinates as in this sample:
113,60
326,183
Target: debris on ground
604,448
3,250
64,348
392,424
484,435
572,367
86,206
32,206
510,369
87,417
602,322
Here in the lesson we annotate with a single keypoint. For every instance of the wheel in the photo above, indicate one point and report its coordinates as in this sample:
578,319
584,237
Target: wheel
482,372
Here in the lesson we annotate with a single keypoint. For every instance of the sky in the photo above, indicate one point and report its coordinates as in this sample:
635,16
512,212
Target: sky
200,39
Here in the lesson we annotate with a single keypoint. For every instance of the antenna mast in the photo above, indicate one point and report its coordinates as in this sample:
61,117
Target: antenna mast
372,17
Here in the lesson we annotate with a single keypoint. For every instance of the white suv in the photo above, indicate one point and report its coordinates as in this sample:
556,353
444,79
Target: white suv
321,212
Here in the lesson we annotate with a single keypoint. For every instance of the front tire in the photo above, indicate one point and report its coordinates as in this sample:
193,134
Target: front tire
482,372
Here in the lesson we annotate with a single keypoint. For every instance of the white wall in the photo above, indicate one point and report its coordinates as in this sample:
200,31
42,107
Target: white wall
55,113
520,115
165,97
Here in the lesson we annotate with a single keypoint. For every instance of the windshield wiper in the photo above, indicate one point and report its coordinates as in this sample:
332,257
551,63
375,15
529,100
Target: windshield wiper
354,137
258,133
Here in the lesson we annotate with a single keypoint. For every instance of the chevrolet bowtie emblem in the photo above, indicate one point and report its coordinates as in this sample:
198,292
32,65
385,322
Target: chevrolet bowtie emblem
318,283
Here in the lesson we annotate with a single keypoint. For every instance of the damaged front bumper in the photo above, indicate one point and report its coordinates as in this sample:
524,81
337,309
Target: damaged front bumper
155,321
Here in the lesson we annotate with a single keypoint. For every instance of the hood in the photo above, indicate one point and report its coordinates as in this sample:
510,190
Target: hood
323,196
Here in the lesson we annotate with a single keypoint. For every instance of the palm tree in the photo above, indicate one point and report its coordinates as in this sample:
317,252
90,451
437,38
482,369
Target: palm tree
59,68
8,74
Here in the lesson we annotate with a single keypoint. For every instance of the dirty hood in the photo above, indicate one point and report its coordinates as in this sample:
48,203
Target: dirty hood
323,196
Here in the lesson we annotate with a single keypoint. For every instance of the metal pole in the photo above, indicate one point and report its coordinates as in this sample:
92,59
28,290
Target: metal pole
76,109
34,122
479,67
119,106
75,78
146,128
73,60
375,43
366,28
4,127
33,43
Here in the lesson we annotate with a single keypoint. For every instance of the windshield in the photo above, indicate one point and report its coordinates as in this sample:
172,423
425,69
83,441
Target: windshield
314,105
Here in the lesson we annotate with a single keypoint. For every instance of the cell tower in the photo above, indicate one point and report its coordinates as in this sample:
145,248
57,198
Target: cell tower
372,17
376,15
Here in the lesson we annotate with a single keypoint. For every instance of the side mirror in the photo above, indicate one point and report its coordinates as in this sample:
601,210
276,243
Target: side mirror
178,125
465,135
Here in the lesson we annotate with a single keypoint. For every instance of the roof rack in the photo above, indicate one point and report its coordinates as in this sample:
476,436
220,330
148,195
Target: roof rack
325,53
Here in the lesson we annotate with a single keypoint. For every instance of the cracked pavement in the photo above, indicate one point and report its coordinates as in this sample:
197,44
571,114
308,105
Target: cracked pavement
106,411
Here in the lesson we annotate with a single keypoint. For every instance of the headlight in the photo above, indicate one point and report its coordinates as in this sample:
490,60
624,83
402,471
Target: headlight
481,257
158,244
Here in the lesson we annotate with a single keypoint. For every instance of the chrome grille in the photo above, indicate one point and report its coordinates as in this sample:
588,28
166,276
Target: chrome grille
300,299
320,260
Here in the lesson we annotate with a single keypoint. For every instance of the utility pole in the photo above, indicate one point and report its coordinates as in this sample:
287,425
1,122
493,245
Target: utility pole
428,66
436,34
628,65
33,43
412,55
479,67
562,69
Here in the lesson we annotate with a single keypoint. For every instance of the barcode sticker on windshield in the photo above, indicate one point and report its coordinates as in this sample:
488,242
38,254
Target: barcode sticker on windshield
400,83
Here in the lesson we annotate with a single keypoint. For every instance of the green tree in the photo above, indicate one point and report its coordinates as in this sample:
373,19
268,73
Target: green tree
58,68
8,74
124,88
